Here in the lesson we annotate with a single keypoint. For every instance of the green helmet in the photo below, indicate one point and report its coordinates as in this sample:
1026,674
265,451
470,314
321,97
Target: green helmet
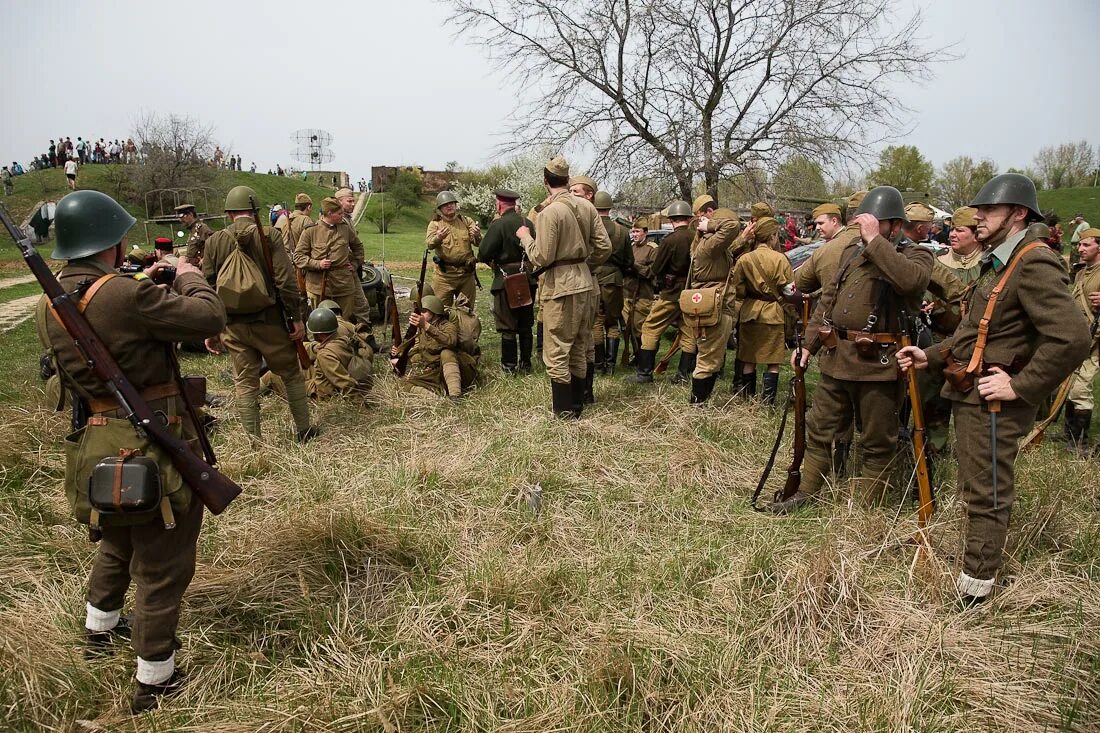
445,197
332,305
1038,230
602,200
883,202
322,320
679,208
1013,189
240,198
88,222
433,304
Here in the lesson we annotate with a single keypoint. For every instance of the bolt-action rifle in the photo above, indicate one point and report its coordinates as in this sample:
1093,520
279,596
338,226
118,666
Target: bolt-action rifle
400,360
288,319
213,488
920,457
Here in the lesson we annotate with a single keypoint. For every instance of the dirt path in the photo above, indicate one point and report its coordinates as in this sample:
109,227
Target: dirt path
14,312
12,281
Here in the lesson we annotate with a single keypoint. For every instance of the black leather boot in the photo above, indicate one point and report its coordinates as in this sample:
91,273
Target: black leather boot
589,376
509,354
538,337
647,359
701,389
601,355
686,367
841,449
771,387
525,352
577,386
562,395
612,356
747,388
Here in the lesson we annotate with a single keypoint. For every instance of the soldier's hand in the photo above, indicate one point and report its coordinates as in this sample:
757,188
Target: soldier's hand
184,266
868,226
441,235
325,264
523,232
298,331
475,230
703,223
1094,300
213,344
415,319
800,355
912,356
996,386
393,352
749,229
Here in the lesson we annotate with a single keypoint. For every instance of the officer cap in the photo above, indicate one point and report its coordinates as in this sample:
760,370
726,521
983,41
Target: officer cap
322,320
826,209
506,194
765,227
589,182
184,208
330,205
1014,189
88,222
163,243
918,211
433,304
445,197
701,201
343,193
303,198
883,202
680,209
332,305
558,166
964,217
240,198
602,200
1091,232
760,210
855,200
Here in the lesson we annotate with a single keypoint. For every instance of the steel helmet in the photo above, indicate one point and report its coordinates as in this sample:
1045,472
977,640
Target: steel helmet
322,320
679,209
445,197
88,222
240,198
883,202
1013,189
332,305
433,304
602,200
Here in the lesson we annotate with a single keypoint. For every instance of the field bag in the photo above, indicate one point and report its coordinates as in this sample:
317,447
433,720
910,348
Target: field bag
469,325
517,288
241,283
702,307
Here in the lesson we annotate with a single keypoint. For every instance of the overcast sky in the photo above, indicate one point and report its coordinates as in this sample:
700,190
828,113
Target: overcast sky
392,85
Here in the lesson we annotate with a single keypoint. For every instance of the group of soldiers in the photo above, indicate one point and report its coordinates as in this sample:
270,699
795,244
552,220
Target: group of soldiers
573,285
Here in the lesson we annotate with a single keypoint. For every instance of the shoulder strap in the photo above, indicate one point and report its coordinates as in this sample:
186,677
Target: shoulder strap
88,294
983,325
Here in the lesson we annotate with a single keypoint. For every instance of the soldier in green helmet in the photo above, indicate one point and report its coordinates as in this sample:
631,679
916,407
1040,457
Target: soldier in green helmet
1034,338
434,361
253,337
609,277
341,360
139,323
453,236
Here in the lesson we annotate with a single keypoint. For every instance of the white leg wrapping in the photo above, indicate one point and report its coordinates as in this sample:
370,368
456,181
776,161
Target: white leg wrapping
155,673
969,586
96,620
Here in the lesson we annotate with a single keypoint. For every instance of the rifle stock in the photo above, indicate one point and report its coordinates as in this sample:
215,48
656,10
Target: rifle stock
924,481
662,365
401,359
288,320
213,488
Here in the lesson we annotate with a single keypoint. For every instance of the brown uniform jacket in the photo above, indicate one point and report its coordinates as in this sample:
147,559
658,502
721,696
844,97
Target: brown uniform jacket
299,221
640,286
568,229
820,270
622,254
457,249
336,242
670,266
712,252
856,292
337,366
137,322
1087,281
200,232
222,243
758,281
1035,323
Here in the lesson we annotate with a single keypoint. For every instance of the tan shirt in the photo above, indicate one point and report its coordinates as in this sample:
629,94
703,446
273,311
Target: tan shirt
1087,281
337,366
820,270
568,228
712,252
335,242
299,221
758,281
457,248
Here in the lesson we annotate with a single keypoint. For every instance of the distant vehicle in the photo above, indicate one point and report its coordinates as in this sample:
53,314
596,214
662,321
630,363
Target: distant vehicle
656,235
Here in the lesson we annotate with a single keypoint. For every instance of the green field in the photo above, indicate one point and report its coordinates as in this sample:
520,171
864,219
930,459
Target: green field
1069,202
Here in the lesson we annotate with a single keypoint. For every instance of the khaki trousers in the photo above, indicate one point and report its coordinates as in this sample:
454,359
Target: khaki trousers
446,284
710,345
635,312
663,314
1080,390
567,331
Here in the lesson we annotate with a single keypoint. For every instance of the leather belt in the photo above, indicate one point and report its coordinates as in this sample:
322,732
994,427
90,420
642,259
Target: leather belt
878,338
99,406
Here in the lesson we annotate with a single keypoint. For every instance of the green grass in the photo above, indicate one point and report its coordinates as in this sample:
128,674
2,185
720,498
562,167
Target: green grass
1069,202
405,241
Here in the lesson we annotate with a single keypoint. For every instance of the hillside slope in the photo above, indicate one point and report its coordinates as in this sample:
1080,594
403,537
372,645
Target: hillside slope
1069,202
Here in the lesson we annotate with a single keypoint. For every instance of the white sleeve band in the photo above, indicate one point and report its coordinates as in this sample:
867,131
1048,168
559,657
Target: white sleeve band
96,620
155,673
969,586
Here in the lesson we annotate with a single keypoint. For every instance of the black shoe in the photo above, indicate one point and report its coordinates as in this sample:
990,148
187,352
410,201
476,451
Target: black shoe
562,395
538,336
747,385
148,697
525,351
685,368
771,387
578,388
647,359
601,356
589,376
509,355
213,400
100,643
612,357
701,389
786,506
304,436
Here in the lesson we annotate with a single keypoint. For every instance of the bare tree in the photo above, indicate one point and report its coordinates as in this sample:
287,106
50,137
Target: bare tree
174,151
1066,165
960,179
700,89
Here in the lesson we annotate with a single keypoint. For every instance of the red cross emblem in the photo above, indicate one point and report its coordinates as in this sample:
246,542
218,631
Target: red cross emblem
696,298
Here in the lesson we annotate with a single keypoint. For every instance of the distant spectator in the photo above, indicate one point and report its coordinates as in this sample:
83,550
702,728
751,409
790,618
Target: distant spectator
131,151
16,168
9,187
81,150
252,168
52,160
70,172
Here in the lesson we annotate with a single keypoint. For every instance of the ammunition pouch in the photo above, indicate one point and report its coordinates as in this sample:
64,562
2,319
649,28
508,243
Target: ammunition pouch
827,337
962,380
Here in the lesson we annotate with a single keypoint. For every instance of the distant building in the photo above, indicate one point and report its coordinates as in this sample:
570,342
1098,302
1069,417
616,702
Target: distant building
432,182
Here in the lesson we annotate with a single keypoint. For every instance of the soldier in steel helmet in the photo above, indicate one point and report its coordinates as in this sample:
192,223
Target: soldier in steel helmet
609,277
434,358
1034,337
138,322
453,236
331,254
198,232
341,360
260,336
855,334
638,284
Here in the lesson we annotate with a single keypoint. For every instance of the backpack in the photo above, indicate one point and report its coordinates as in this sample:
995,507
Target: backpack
241,283
469,325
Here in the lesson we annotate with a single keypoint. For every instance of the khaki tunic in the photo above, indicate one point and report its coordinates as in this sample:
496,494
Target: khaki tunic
196,242
712,257
298,223
820,270
758,281
338,243
1080,392
428,353
338,367
669,268
455,271
638,289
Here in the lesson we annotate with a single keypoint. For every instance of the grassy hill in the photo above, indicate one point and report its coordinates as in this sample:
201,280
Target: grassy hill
1069,202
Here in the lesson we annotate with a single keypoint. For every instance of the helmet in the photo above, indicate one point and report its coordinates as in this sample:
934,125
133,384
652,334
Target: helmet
321,320
883,202
679,208
87,222
332,305
1013,189
433,304
445,197
1038,230
240,198
602,200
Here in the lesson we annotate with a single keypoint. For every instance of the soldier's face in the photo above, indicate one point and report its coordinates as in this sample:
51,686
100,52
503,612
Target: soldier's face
637,235
347,203
448,210
187,218
993,218
581,191
962,240
1089,249
827,225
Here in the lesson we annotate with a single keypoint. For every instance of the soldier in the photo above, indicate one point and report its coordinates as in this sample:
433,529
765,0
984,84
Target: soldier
300,220
346,199
585,187
137,322
638,285
199,233
758,211
760,280
434,357
1034,337
503,252
713,252
347,328
609,277
570,236
1086,295
880,281
340,366
331,253
255,337
670,268
919,225
453,236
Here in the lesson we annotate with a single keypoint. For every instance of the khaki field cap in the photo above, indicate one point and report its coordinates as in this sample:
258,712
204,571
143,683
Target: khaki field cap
760,210
559,166
642,222
303,198
590,183
343,193
1090,232
855,200
700,202
329,205
826,209
919,211
765,228
964,217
